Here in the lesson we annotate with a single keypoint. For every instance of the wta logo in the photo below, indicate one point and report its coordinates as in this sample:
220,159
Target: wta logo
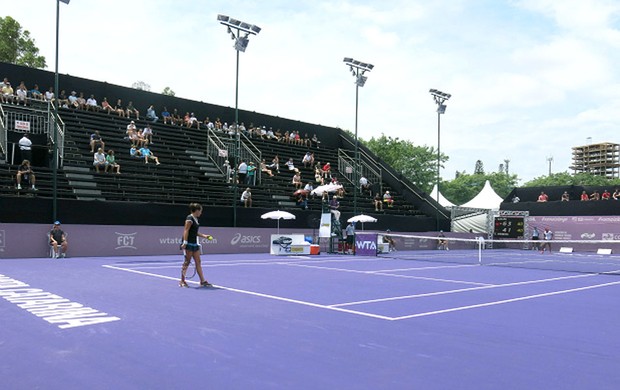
125,240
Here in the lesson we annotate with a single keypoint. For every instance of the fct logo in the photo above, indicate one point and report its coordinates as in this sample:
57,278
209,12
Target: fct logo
125,240
610,236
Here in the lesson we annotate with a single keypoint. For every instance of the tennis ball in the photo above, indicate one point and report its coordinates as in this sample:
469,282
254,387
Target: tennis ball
209,238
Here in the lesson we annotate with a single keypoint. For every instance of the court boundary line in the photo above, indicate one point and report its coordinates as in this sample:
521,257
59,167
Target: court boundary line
379,316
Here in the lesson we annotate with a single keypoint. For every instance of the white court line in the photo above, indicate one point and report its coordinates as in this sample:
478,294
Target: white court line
425,268
274,297
460,290
430,313
390,275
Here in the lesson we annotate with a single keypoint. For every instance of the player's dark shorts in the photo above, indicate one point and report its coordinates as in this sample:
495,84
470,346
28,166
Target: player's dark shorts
192,247
535,238
350,239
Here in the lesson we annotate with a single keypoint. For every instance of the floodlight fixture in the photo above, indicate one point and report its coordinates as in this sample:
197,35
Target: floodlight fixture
238,24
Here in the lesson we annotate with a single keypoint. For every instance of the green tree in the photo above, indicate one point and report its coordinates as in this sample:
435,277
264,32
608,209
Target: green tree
168,92
479,168
16,46
416,163
465,187
142,86
567,179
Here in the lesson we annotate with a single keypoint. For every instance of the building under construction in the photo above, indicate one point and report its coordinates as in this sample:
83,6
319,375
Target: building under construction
602,159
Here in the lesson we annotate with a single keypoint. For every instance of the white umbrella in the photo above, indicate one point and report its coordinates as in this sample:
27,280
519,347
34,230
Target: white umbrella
278,215
362,218
326,188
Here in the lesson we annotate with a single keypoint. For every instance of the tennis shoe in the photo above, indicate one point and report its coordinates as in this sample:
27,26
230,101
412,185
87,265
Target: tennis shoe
205,284
183,284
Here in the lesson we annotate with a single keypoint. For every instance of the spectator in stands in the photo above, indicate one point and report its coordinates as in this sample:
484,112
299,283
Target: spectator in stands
302,201
250,179
278,135
132,132
218,124
131,110
542,197
91,104
35,93
565,197
147,134
111,162
99,161
193,121
58,238
8,95
334,205
297,180
176,118
134,152
119,109
95,139
72,99
365,185
605,195
63,101
308,187
49,95
263,168
105,105
318,174
616,194
275,164
387,199
242,172
208,124
326,170
25,172
25,147
595,195
291,165
308,159
148,155
81,101
246,197
270,134
228,171
21,94
150,114
167,118
315,141
378,202
584,196
306,141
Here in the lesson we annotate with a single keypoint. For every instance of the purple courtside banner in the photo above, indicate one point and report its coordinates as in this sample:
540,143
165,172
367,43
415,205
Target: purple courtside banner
366,244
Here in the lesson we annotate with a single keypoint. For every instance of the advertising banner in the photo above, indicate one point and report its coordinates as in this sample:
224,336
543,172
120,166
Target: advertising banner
366,244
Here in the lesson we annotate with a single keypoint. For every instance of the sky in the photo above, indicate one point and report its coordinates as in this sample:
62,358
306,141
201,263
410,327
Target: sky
529,79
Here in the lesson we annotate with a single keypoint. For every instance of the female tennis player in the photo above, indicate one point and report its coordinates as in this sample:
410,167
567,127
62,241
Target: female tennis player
190,244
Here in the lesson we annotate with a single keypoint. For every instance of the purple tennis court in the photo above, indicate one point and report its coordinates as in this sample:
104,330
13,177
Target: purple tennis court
328,321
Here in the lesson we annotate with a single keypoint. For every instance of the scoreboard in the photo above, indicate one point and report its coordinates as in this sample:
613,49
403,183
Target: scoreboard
509,227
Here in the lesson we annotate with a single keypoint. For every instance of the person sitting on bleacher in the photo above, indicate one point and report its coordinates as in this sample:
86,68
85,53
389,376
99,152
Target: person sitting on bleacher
326,170
297,180
99,161
95,139
49,95
132,110
246,197
316,141
378,202
308,159
105,105
291,165
81,100
111,162
63,101
263,168
166,116
147,133
119,109
8,95
150,114
91,104
35,93
26,173
134,152
148,155
21,94
131,131
387,199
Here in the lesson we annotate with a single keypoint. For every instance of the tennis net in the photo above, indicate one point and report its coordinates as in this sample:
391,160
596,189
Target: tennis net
586,256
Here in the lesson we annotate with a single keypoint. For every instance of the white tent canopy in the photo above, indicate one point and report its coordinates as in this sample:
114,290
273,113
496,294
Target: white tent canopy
442,200
487,198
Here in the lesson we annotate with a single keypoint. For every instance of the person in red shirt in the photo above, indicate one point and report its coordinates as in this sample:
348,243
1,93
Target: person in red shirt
606,195
543,197
584,196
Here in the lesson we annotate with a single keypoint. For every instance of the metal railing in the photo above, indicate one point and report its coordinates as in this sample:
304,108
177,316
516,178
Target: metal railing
3,134
56,123
247,152
346,166
217,152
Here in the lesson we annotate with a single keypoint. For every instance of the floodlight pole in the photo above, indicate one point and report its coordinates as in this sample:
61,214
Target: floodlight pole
240,45
357,69
440,98
55,121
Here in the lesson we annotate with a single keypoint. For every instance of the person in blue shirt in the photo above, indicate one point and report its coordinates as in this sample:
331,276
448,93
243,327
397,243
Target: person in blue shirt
148,155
